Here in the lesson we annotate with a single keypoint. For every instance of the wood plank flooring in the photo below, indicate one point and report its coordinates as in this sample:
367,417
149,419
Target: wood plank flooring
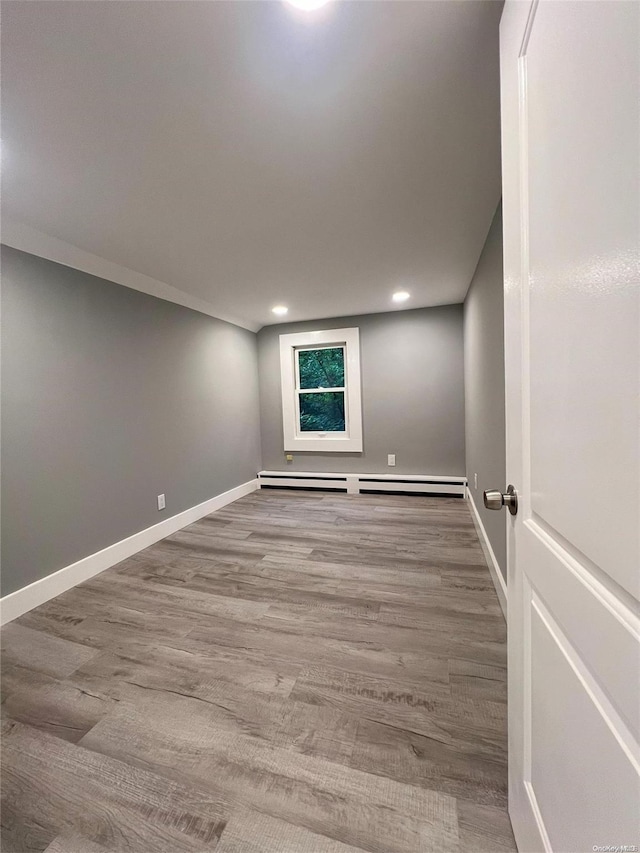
299,672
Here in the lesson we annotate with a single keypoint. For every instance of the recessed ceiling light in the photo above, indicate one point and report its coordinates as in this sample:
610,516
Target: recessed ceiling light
280,310
400,296
308,5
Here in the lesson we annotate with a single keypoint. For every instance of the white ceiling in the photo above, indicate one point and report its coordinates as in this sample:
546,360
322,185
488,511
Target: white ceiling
250,154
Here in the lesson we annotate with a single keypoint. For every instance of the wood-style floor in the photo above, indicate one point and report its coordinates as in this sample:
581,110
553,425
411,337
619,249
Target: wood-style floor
299,672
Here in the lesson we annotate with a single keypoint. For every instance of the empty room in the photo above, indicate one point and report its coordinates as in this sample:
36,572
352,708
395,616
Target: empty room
320,456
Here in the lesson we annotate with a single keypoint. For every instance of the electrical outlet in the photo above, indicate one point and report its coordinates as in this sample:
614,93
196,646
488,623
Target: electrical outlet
475,481
161,502
289,457
391,459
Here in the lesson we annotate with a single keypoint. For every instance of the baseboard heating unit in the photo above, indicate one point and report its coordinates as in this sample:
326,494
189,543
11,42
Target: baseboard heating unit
353,484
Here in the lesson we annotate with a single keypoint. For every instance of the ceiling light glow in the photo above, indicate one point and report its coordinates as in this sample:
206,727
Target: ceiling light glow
308,5
400,296
280,310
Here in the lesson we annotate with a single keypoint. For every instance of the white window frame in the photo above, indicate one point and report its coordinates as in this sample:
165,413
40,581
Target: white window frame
349,441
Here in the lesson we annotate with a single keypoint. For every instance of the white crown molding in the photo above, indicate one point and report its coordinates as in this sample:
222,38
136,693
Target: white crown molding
22,600
27,239
496,575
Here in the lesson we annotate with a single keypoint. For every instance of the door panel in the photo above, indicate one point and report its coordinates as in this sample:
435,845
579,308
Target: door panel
576,817
583,298
588,613
571,203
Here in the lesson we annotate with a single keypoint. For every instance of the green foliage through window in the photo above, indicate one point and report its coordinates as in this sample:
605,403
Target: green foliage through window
323,412
321,368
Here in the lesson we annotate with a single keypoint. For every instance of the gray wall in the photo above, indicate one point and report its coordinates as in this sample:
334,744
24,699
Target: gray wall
111,397
412,394
484,385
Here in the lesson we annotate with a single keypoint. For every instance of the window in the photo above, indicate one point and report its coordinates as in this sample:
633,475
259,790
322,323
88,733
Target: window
320,374
320,389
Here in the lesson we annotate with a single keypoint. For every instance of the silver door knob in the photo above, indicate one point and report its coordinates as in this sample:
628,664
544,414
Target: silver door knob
493,499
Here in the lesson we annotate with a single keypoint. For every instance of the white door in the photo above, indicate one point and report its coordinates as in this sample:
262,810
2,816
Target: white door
571,199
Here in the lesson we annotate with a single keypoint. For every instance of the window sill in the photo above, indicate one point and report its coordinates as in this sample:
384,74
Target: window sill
324,445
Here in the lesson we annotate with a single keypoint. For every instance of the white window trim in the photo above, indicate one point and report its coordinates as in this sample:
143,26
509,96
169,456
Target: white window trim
349,441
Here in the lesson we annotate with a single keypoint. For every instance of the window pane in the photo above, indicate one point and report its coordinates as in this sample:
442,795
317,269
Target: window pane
321,368
322,412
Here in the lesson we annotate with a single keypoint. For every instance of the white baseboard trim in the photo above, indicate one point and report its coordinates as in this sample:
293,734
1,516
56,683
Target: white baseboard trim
36,593
496,575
